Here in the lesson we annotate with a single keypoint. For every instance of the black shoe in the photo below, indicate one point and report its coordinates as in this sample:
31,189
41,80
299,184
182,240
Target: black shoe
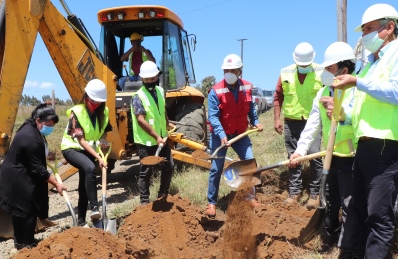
162,196
348,255
326,246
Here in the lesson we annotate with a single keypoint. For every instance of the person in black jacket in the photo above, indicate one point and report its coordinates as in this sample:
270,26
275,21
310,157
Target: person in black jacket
24,175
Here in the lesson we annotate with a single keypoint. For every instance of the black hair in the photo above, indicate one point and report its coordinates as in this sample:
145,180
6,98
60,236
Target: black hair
99,112
43,112
348,64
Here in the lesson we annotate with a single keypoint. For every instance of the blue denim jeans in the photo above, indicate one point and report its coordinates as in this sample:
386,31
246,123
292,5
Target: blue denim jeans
242,147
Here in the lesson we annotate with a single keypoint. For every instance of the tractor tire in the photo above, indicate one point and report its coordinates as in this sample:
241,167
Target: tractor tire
193,116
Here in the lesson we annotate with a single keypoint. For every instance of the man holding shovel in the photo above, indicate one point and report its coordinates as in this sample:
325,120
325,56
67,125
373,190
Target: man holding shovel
339,59
150,127
375,124
230,103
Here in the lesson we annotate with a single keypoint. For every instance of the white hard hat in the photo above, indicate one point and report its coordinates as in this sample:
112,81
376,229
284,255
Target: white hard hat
148,69
303,54
376,12
232,61
96,90
336,52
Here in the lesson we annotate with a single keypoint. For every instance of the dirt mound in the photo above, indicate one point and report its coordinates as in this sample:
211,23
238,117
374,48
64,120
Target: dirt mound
174,228
78,243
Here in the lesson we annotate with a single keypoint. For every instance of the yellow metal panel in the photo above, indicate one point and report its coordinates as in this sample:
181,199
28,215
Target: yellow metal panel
187,158
20,36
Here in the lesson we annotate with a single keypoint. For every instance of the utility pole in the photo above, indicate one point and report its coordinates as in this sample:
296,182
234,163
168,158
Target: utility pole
342,20
241,53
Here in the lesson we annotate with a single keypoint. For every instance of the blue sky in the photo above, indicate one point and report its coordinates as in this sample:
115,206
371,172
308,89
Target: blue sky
273,31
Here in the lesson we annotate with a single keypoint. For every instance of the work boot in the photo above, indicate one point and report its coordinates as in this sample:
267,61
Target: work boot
95,214
211,210
313,202
292,198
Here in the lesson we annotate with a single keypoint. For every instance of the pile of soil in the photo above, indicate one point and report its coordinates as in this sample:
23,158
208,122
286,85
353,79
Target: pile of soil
174,228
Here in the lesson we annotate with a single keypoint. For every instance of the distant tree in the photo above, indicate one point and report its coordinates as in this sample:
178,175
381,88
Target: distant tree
46,97
206,84
68,102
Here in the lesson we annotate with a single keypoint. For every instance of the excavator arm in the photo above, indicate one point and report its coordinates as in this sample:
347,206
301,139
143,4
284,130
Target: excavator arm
75,61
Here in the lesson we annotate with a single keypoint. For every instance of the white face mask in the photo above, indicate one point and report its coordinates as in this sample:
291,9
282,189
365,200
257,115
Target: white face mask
327,78
230,78
304,70
372,42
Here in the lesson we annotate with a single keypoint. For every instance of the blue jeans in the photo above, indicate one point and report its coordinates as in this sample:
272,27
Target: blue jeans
122,81
242,147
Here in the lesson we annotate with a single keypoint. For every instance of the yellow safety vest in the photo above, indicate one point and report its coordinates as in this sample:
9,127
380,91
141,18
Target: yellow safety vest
298,97
91,134
343,132
155,116
371,117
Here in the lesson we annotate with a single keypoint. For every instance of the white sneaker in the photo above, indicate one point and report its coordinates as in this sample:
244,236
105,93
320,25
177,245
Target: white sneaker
95,214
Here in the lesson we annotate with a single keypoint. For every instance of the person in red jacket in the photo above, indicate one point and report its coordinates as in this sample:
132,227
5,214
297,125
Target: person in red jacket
229,105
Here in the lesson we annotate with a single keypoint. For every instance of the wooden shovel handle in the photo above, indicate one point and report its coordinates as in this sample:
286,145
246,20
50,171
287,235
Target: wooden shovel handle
233,140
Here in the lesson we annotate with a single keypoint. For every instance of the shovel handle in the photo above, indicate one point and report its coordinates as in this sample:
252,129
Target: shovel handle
233,140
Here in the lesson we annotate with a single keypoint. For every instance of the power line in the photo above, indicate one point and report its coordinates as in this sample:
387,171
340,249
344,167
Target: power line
194,10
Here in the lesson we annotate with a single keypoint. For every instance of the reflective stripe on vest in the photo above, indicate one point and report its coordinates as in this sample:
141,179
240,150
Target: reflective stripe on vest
155,116
91,134
233,114
371,117
144,58
343,132
298,97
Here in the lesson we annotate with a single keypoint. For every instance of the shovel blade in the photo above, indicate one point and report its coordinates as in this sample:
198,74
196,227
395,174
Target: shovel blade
111,226
231,174
98,224
313,225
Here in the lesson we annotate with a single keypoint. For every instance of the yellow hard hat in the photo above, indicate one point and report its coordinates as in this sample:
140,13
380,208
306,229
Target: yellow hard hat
136,36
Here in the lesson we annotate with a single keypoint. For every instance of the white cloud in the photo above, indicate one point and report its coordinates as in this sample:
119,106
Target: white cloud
42,85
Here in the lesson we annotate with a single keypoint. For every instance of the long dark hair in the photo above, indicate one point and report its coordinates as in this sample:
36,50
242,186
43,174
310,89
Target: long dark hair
99,112
43,112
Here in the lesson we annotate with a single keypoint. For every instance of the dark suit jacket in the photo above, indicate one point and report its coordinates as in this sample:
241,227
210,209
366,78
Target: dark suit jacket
24,175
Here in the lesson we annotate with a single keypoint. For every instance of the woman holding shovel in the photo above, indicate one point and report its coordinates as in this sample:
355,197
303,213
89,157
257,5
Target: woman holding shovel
230,104
339,59
150,128
88,124
24,175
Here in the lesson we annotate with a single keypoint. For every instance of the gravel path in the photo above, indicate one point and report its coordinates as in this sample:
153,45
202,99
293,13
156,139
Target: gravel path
122,187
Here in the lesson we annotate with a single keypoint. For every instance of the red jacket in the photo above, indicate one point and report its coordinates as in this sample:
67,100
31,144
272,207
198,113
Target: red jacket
233,115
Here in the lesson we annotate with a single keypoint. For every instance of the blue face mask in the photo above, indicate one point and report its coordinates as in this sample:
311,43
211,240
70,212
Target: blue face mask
304,70
46,130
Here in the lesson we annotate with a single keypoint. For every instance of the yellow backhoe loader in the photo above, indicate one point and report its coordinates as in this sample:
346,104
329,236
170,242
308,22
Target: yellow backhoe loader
78,60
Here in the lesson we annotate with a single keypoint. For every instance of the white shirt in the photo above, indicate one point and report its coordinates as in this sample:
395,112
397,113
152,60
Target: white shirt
314,122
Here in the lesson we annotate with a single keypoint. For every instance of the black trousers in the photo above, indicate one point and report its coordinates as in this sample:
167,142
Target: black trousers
87,189
292,131
339,195
144,179
375,193
24,231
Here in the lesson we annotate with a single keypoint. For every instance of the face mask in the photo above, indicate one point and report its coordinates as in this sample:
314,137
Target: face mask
327,78
46,130
372,42
304,70
230,78
150,86
91,106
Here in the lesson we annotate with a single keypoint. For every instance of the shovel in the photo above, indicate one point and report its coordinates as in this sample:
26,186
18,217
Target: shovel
200,154
316,221
234,172
154,160
105,223
64,193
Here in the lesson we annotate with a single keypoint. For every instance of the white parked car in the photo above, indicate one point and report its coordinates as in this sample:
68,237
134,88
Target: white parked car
260,103
269,96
